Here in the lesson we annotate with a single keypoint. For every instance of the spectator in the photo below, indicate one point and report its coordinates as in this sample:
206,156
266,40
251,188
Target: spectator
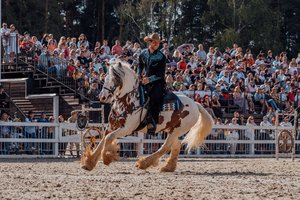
239,98
286,122
216,106
93,93
30,131
4,103
208,106
182,65
73,119
117,49
260,100
5,35
5,132
250,123
82,41
13,48
265,133
201,53
233,136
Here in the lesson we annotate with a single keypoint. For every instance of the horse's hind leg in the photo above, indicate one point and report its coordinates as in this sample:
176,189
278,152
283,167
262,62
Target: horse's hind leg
153,159
171,162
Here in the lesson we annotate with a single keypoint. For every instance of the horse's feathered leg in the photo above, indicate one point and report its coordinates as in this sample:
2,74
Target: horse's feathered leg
89,159
145,162
171,163
110,148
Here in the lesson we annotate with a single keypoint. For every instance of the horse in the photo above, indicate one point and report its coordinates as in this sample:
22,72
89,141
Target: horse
121,86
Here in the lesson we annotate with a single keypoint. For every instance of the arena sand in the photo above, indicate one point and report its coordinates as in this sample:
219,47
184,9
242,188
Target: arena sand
193,179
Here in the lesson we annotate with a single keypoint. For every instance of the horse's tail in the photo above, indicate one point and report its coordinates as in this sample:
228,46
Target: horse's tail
200,130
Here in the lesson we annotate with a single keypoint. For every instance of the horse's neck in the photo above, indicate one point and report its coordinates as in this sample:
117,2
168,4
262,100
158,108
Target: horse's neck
127,102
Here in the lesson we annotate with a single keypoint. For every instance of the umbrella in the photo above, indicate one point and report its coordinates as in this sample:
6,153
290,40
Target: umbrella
186,48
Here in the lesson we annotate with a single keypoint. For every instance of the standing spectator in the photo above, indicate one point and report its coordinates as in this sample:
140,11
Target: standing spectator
62,146
13,47
5,34
105,47
233,136
250,123
43,119
82,41
5,132
165,48
73,119
266,134
3,98
201,53
30,131
181,65
117,49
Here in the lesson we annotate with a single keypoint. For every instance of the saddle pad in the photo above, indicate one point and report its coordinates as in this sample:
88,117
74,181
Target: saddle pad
171,102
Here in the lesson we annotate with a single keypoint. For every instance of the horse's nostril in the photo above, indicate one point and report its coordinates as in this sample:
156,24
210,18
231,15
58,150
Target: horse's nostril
102,98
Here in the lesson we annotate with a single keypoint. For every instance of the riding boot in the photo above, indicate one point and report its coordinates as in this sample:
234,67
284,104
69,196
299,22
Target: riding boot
151,127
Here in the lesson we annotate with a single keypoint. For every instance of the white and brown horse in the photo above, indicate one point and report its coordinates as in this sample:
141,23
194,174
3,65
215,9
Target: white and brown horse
121,85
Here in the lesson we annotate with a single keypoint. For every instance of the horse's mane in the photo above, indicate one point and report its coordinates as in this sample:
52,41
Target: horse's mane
121,73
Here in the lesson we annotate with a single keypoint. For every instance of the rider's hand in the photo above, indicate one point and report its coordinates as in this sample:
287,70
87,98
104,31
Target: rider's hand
145,80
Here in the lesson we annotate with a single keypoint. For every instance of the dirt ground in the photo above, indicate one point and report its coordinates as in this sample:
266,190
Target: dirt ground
193,179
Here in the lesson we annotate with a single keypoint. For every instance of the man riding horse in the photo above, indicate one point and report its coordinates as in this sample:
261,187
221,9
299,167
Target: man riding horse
151,70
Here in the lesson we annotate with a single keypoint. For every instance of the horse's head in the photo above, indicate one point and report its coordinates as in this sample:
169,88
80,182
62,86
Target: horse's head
119,80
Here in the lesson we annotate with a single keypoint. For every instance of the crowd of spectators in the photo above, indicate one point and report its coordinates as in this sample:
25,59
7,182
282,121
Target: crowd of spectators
217,78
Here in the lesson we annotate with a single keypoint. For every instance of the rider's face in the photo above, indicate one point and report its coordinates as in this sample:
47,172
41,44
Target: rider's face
154,44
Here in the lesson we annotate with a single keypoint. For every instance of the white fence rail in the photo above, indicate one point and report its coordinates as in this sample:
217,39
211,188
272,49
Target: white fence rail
62,139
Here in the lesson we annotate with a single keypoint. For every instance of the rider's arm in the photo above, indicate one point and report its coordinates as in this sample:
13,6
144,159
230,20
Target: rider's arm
140,67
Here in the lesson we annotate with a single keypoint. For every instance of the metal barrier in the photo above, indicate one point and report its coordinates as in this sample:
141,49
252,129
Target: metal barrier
62,139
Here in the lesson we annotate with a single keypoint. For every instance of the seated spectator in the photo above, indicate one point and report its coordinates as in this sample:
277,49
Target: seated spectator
286,122
216,106
239,98
208,106
274,99
93,93
249,101
259,99
178,83
169,81
182,65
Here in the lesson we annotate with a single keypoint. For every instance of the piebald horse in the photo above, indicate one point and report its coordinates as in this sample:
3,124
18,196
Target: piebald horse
121,85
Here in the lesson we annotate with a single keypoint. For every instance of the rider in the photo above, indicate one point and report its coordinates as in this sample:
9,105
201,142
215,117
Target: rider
151,70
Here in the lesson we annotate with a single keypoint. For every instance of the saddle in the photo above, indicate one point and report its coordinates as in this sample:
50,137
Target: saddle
171,102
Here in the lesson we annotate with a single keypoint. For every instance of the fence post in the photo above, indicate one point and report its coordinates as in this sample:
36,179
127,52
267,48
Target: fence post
252,141
140,145
55,114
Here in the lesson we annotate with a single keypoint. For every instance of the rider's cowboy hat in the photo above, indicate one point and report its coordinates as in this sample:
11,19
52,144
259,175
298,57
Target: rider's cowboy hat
153,36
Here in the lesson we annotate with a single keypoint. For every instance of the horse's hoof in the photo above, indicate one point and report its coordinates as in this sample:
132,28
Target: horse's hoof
86,168
141,163
167,169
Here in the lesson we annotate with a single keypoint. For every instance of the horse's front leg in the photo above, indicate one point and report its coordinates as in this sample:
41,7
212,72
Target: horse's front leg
89,159
110,148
